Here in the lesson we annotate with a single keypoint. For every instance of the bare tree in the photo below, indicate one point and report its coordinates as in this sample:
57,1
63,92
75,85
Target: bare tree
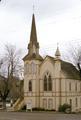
11,67
73,54
1,62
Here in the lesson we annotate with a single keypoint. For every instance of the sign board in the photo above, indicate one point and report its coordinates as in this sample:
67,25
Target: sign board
29,106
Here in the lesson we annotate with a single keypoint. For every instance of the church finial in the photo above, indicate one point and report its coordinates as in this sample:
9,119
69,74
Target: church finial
57,53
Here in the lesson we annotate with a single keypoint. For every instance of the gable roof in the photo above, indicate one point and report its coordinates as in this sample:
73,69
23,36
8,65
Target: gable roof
68,68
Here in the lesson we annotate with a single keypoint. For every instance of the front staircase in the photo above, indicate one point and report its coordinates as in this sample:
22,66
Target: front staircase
17,105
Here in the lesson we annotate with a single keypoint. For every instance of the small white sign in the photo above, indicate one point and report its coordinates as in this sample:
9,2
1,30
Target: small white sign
29,106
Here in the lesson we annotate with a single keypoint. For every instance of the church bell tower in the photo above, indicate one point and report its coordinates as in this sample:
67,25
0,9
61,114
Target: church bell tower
33,46
31,69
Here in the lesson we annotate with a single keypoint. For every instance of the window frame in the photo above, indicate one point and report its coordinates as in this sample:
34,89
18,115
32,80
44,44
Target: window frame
30,86
47,82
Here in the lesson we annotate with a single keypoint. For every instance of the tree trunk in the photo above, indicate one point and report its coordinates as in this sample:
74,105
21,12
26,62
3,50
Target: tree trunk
4,104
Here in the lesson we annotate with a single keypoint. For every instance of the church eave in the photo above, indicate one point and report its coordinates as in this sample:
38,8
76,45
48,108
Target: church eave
28,57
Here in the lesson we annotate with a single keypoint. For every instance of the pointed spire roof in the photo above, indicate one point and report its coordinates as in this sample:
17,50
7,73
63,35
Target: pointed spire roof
33,35
57,54
33,46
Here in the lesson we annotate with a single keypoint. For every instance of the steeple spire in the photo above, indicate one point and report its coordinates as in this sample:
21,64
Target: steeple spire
57,53
33,35
33,46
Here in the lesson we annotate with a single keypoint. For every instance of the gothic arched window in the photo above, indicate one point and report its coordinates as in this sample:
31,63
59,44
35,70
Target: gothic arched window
25,69
75,86
47,82
30,85
70,86
33,66
80,87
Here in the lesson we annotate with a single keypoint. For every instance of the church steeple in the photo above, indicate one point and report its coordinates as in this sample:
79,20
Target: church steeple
57,53
33,46
33,35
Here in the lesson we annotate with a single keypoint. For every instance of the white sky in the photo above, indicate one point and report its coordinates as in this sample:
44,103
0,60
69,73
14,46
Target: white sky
56,21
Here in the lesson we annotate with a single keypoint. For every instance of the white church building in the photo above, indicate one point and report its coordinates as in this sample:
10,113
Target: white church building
49,82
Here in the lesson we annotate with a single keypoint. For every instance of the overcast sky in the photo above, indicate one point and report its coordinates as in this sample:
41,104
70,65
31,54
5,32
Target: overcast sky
56,21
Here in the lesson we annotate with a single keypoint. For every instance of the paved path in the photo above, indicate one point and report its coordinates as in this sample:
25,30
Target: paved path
38,116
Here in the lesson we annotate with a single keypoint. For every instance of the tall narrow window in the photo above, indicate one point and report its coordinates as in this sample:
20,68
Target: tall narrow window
49,83
33,65
50,104
76,87
45,83
70,101
80,87
76,102
80,102
30,69
30,85
45,103
25,69
70,86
